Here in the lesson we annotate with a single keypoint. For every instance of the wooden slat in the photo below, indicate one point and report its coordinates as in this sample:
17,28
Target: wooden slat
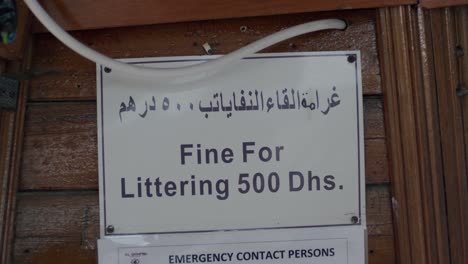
413,141
11,143
60,149
7,121
78,81
395,58
441,3
451,129
63,227
461,14
91,14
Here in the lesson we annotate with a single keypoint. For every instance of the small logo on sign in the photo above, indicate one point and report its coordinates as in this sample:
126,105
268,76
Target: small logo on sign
135,261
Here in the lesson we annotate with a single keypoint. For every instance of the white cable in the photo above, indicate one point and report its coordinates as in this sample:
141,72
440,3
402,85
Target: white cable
201,69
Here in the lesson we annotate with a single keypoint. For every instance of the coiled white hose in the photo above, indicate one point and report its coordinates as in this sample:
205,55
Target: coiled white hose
201,69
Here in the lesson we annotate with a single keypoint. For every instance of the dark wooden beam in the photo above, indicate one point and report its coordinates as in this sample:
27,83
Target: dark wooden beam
442,3
92,14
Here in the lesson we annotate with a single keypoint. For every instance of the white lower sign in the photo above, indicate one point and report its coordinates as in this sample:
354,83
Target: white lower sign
325,246
274,142
292,251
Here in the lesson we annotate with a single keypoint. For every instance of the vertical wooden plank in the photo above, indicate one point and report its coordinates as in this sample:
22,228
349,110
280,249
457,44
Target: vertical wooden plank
451,129
409,151
411,118
429,145
461,52
388,72
6,137
6,120
12,133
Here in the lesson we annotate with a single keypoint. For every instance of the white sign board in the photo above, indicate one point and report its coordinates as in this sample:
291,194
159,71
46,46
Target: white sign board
307,245
273,142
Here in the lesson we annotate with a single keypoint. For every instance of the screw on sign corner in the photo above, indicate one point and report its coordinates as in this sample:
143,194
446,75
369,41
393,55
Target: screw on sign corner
352,58
459,51
107,70
354,219
110,229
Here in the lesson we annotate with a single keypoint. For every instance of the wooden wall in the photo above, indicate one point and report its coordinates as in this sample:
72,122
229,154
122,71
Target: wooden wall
57,215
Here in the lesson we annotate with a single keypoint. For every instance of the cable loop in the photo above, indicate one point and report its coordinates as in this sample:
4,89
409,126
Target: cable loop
187,72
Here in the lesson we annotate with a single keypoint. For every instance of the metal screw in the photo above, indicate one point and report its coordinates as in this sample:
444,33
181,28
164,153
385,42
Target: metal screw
459,51
354,219
107,70
351,58
110,229
243,29
461,91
